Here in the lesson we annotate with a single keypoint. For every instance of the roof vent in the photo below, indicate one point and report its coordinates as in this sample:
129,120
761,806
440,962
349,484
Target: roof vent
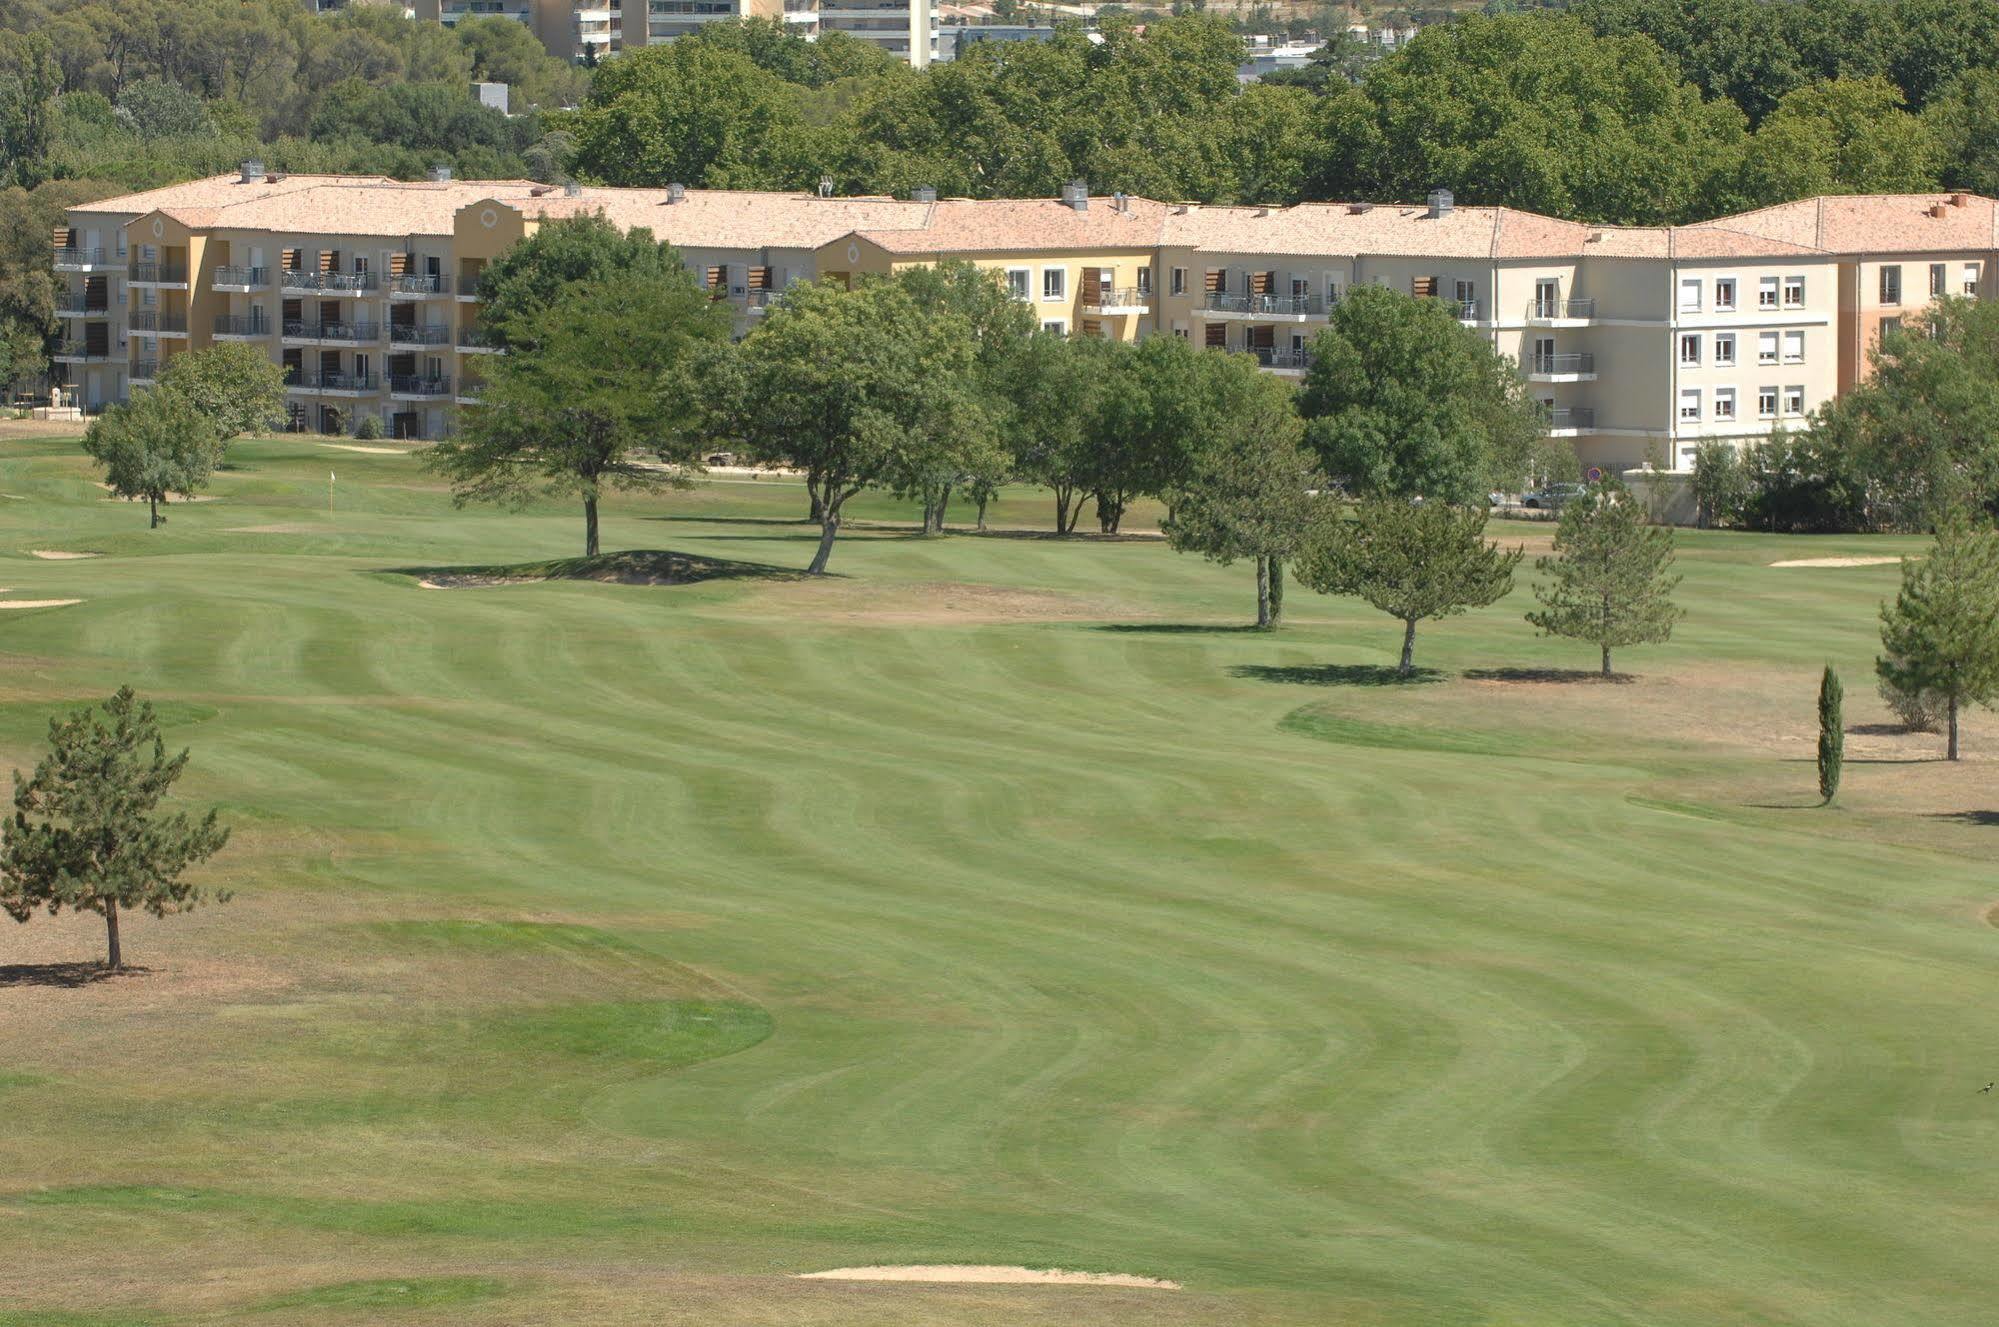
1960,200
541,191
251,170
1121,201
1441,203
676,193
572,189
1076,193
1180,209
1939,210
825,186
923,193
1357,209
440,174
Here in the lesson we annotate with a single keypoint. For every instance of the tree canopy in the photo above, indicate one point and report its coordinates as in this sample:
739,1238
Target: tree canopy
1941,635
153,446
1610,580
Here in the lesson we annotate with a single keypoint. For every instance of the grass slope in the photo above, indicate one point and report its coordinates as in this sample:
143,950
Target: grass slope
609,952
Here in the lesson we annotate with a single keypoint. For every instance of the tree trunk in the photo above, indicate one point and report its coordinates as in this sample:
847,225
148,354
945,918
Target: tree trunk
1953,728
1606,661
1408,648
1109,513
117,955
589,527
1063,522
817,503
943,505
829,526
1276,592
982,513
1263,592
154,503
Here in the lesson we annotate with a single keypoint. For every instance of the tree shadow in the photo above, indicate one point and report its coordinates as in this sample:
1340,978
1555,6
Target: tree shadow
628,567
1563,675
1181,628
1077,536
733,520
1885,730
1986,819
66,975
1337,675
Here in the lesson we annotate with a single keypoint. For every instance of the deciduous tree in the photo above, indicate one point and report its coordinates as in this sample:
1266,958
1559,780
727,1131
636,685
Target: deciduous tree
155,445
234,386
1941,635
1612,581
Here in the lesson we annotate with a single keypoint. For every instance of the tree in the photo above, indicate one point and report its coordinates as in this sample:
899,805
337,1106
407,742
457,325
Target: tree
235,387
1965,123
595,382
1411,560
86,834
1050,395
154,445
1156,405
1720,485
1805,483
1402,400
1941,635
1845,136
687,112
571,251
1832,734
162,108
1252,491
1611,581
859,388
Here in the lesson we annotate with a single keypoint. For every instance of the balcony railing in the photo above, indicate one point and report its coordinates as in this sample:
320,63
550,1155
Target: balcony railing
410,384
1275,305
410,334
297,279
71,256
477,338
1468,310
424,284
153,320
236,324
68,302
1580,363
1104,297
82,350
471,287
1549,310
159,274
355,332
1271,357
758,300
335,382
242,276
1572,417
144,370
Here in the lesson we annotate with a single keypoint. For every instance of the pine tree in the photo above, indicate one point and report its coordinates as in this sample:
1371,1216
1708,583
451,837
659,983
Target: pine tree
1941,635
1832,733
85,835
1611,584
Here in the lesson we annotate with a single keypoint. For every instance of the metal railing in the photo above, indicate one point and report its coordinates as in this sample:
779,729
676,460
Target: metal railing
1545,310
1272,357
1130,297
242,276
471,287
477,338
236,324
410,384
1468,310
82,350
153,320
1572,417
144,370
760,298
1281,305
298,279
420,284
168,274
333,331
68,302
1571,363
412,334
336,382
72,256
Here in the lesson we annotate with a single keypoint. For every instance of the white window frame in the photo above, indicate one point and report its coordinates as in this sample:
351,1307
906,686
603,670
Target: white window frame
1724,405
1690,342
1766,292
1024,288
1794,392
1690,405
1767,402
1059,326
1690,286
1881,281
1177,283
1794,292
1724,350
1972,271
1794,347
1939,279
1061,282
1724,294
1768,347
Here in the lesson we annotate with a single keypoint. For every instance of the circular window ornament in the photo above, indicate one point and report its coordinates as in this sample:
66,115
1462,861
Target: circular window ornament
489,218
853,253
159,227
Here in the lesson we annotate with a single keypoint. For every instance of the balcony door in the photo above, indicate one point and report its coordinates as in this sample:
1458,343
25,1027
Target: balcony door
1547,299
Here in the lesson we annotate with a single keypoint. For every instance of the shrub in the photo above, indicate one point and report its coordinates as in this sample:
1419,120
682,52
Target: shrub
369,428
1918,711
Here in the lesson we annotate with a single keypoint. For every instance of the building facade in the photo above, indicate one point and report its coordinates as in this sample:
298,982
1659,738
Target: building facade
1641,342
580,29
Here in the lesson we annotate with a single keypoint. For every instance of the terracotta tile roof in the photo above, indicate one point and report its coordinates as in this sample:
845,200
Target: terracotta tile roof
1012,225
317,204
1874,223
722,219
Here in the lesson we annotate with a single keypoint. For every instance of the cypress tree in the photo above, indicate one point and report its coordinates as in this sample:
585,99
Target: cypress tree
1832,734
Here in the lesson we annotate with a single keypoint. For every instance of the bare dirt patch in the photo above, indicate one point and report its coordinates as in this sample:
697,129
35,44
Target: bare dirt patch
59,555
976,1274
38,603
1837,562
936,603
361,447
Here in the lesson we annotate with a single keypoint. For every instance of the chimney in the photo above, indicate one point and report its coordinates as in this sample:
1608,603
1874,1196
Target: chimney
440,174
251,170
1939,210
1357,209
572,189
1076,193
1960,200
923,193
1121,201
825,186
676,193
1441,203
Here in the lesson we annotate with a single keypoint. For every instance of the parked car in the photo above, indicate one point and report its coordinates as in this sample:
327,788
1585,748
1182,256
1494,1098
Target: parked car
1552,497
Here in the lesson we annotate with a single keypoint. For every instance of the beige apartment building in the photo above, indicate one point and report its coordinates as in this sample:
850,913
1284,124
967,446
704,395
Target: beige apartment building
906,29
1642,342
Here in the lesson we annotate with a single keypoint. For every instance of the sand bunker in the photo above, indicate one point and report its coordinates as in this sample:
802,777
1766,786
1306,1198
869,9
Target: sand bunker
283,527
458,582
372,451
1837,562
972,1274
38,603
58,555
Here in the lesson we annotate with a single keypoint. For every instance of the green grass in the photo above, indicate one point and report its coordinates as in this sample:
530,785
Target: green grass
608,952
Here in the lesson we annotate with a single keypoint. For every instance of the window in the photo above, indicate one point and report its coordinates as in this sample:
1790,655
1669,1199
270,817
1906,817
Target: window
1547,298
1466,293
1054,282
1766,402
1890,325
1301,289
1217,336
1180,330
1145,280
1794,400
1766,292
1690,295
1891,284
1794,292
1179,281
1016,282
1766,347
1938,278
1971,278
1690,404
1690,349
1724,404
1544,354
1724,349
1794,347
1724,294
1055,325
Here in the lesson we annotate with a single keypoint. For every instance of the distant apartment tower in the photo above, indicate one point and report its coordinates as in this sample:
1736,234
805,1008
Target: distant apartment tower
906,29
569,29
667,19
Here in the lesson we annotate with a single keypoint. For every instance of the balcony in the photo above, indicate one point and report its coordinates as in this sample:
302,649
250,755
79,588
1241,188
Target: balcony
144,370
1562,368
339,333
1557,312
1567,422
1469,310
71,305
426,286
336,384
1281,361
72,259
756,301
81,352
166,276
413,387
347,283
470,288
1107,301
1264,308
411,334
477,341
158,323
240,280
236,327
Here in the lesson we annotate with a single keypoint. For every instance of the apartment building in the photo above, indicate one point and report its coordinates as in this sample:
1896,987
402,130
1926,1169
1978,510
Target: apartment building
569,29
906,29
1642,342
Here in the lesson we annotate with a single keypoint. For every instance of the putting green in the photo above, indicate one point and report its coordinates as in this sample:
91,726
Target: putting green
614,952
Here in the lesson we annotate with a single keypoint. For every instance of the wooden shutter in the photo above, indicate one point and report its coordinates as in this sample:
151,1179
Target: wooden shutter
717,280
1218,335
329,260
1260,282
1214,280
1423,286
63,238
399,264
1091,327
291,260
759,278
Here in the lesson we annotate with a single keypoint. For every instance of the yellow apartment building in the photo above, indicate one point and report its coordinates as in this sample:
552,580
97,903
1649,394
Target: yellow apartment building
1642,342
